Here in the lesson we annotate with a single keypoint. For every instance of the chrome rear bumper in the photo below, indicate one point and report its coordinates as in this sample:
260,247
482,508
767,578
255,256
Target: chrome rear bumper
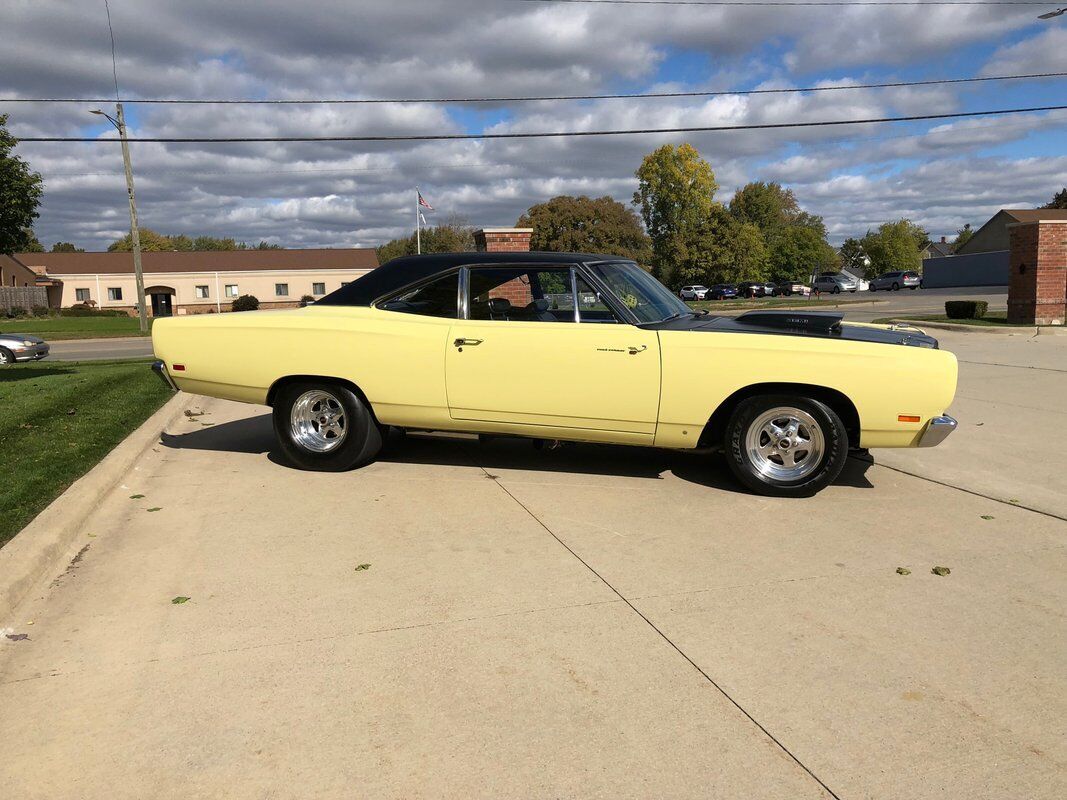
937,430
160,369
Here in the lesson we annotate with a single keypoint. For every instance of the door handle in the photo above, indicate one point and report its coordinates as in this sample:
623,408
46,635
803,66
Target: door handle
461,343
635,350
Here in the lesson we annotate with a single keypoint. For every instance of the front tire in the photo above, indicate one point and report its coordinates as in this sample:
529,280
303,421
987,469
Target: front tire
6,357
896,287
325,427
785,445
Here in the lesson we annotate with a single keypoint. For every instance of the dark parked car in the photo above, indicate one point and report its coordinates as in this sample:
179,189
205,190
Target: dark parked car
893,281
752,289
721,291
21,347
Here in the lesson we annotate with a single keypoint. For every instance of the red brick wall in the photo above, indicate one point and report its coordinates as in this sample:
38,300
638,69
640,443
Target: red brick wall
513,240
1037,287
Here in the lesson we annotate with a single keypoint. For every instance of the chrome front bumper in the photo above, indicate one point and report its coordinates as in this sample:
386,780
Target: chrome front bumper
937,430
160,369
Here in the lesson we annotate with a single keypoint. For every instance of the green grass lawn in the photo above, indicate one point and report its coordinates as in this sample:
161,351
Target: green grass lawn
822,302
55,328
57,420
993,319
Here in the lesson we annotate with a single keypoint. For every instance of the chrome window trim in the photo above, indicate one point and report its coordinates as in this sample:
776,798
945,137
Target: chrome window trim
623,315
574,294
464,284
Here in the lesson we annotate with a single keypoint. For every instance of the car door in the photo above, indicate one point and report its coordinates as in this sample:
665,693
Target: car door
525,357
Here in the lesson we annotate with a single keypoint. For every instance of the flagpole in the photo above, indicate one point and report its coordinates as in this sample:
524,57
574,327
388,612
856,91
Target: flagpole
418,227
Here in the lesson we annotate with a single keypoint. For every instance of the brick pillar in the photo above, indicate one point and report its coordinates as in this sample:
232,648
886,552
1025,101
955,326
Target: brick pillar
503,240
1037,287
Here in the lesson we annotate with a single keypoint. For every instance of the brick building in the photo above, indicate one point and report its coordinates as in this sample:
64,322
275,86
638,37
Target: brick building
1037,288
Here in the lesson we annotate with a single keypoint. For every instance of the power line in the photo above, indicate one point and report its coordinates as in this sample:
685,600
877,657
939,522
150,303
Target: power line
114,64
524,99
539,134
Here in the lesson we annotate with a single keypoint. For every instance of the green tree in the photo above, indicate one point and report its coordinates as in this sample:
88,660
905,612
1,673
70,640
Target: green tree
798,252
582,224
1059,200
153,242
767,206
896,246
66,247
963,235
676,191
20,196
725,251
453,236
852,256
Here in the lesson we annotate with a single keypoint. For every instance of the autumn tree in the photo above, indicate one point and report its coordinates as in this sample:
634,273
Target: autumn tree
676,192
896,246
20,196
585,225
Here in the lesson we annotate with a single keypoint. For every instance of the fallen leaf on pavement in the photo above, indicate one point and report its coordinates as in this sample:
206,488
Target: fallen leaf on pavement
941,571
136,496
189,413
362,567
18,637
988,516
903,571
157,508
179,600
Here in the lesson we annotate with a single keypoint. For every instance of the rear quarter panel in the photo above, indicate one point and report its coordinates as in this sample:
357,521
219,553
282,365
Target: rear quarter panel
396,359
702,369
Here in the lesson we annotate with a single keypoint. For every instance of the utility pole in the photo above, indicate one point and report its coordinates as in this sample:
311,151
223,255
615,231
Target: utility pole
135,234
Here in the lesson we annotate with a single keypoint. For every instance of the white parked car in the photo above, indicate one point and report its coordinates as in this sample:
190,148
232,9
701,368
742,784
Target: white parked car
695,292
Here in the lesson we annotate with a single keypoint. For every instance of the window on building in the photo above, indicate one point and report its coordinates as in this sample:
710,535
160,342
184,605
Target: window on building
202,292
438,298
231,290
114,293
281,289
318,288
527,294
81,295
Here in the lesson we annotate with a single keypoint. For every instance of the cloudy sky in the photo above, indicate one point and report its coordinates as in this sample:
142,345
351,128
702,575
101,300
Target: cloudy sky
357,194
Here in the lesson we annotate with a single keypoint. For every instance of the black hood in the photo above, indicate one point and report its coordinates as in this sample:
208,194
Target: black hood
816,324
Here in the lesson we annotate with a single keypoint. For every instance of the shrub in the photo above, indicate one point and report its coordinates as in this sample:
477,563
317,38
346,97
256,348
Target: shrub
246,302
965,309
306,300
86,310
41,311
15,311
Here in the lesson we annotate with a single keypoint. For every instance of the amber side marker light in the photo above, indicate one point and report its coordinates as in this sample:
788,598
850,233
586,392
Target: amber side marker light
900,417
181,368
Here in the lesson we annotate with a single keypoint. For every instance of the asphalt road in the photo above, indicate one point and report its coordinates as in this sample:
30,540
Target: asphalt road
588,622
902,303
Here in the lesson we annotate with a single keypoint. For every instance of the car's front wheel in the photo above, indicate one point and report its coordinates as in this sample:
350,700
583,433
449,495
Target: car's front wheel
785,446
6,357
325,427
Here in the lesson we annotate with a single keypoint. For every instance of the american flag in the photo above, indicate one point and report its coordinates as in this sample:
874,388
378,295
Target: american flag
422,201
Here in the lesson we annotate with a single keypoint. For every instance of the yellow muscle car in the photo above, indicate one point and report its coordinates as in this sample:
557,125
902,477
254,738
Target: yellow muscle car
566,346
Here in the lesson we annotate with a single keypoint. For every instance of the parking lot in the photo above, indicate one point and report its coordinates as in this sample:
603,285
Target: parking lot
466,619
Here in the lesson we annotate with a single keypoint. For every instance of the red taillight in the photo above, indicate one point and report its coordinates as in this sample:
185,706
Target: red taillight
178,367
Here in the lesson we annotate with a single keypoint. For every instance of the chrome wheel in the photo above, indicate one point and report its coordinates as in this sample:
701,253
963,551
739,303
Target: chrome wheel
318,421
785,444
5,357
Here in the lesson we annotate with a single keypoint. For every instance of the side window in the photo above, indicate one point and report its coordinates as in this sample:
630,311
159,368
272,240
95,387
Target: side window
591,307
438,298
521,294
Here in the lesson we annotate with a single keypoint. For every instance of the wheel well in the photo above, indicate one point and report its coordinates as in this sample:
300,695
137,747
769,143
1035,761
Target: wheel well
272,392
715,428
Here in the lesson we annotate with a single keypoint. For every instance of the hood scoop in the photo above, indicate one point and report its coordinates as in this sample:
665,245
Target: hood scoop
801,321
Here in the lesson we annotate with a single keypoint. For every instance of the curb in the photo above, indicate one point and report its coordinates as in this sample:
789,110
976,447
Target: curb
1044,330
51,539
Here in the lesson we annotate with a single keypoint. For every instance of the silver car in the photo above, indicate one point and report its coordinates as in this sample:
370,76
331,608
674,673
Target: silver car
21,347
893,281
835,282
695,292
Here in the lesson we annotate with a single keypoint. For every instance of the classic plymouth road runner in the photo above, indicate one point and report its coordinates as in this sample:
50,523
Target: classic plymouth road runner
566,346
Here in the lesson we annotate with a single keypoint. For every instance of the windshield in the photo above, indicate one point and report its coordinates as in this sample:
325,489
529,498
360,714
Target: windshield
647,298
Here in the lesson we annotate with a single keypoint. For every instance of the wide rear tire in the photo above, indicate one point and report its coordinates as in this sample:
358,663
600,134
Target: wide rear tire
785,445
325,427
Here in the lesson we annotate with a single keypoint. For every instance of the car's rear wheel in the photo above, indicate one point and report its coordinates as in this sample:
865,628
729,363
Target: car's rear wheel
785,446
325,427
836,290
6,357
896,287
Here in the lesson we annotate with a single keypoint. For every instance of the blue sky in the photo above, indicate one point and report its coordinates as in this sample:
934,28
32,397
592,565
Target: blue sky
940,174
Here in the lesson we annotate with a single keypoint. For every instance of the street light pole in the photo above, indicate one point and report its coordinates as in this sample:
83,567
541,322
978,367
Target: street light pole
135,234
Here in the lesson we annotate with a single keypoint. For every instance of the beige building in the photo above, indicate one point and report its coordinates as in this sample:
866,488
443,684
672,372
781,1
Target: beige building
196,282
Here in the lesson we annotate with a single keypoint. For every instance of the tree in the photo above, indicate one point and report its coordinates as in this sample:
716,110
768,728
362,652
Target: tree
66,247
767,206
581,224
896,246
963,235
852,256
1059,200
725,251
246,302
453,236
798,252
676,190
153,242
20,195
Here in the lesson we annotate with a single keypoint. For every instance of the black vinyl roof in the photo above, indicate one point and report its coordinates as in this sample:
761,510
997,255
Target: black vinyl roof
401,272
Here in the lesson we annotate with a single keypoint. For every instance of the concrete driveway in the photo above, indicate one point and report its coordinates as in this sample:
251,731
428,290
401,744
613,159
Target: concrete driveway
590,622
